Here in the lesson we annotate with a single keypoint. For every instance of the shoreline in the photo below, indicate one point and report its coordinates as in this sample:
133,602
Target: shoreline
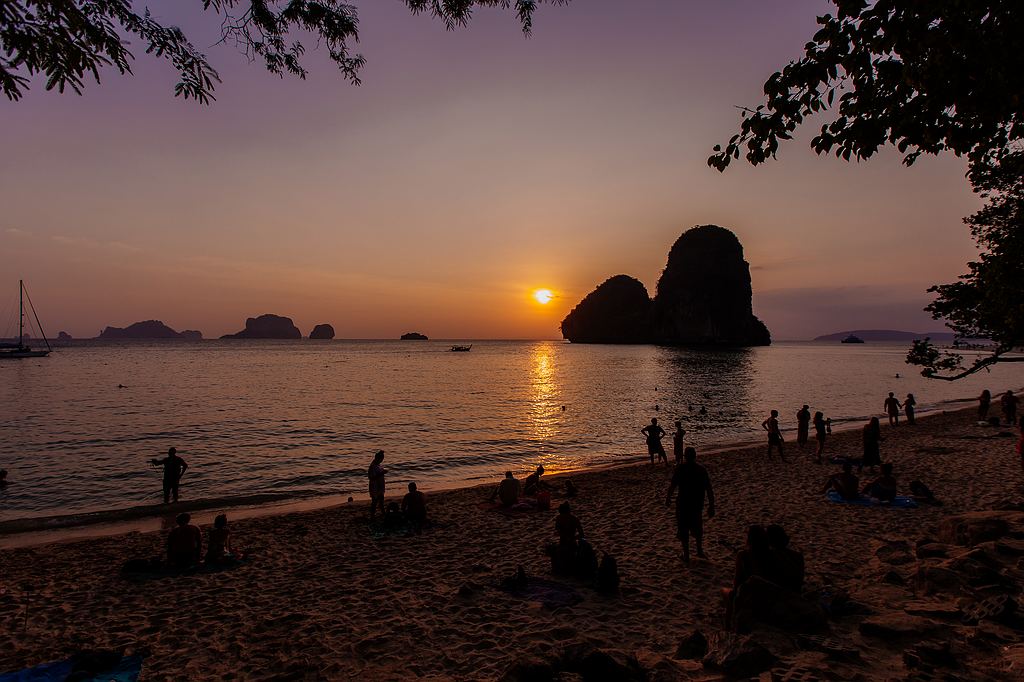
40,530
395,607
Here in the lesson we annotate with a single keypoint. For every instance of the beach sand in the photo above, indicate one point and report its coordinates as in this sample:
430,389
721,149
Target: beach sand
322,598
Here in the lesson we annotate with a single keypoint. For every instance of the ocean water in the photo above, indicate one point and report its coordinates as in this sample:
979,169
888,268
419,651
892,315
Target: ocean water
303,419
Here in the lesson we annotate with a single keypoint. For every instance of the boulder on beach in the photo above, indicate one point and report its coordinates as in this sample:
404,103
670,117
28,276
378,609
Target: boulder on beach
704,294
267,327
617,311
149,329
413,336
703,299
322,332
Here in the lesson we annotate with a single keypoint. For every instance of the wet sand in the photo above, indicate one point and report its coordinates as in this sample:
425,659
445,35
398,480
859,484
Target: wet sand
322,598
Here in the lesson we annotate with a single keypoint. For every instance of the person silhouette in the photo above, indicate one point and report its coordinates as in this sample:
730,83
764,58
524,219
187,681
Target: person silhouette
803,421
908,408
677,442
174,469
654,433
892,408
984,400
694,484
820,431
872,444
1009,402
376,474
771,425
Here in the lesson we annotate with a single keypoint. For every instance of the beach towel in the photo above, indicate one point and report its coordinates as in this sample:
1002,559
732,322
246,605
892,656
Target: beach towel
548,592
87,666
901,501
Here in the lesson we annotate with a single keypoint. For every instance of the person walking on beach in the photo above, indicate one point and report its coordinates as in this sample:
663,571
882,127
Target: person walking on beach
376,474
984,400
771,425
872,444
820,431
892,408
1009,403
654,433
677,442
174,469
694,484
803,422
908,408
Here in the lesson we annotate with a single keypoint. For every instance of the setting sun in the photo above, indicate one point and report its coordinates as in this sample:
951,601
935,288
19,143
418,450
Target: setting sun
543,296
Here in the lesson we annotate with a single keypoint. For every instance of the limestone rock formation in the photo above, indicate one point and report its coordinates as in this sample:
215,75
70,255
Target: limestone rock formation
704,293
617,311
267,327
149,329
413,336
64,336
191,335
322,332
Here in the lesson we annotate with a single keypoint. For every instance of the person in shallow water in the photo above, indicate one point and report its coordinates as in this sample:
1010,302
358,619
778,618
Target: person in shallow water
376,474
892,408
508,490
184,543
803,422
174,469
771,425
654,433
694,484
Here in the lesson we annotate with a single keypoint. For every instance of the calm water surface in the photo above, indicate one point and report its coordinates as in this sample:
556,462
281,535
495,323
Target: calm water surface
304,418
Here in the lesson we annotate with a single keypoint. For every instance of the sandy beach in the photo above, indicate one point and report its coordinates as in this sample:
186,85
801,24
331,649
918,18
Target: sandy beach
322,597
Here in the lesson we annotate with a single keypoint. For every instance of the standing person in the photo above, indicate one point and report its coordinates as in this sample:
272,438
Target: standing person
771,425
908,408
174,469
376,474
803,422
892,408
872,444
694,483
820,429
654,434
984,400
1009,403
677,442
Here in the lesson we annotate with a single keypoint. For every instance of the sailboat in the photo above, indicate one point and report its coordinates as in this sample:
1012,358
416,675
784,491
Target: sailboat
21,350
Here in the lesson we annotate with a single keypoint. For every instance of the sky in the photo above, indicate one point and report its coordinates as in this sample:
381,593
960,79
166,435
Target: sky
470,168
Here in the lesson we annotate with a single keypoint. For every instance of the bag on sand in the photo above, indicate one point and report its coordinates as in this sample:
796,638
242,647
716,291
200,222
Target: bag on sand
608,575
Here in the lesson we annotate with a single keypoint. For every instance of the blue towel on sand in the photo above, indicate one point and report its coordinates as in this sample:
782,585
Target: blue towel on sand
901,502
125,670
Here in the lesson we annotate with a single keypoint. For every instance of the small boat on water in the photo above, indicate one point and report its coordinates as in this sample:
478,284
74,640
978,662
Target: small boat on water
462,349
20,350
852,339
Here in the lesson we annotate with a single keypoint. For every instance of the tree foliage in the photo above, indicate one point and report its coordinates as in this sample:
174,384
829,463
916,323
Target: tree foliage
927,76
68,42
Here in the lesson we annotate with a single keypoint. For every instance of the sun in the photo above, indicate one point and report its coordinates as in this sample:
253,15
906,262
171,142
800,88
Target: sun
543,296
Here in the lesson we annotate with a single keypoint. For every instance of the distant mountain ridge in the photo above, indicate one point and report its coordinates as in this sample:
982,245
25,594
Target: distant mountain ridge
887,335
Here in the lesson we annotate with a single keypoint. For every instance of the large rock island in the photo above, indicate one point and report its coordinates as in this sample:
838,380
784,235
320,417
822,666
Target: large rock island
267,327
149,329
413,336
322,332
703,298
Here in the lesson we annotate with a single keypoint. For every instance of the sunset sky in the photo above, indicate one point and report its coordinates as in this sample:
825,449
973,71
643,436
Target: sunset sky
469,169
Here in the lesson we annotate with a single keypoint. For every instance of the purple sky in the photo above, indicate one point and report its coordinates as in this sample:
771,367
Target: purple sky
470,169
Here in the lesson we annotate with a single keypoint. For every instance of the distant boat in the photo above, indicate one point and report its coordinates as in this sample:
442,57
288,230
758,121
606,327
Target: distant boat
462,349
852,339
21,349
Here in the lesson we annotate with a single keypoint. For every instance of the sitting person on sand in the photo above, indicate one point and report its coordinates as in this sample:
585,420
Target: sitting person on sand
508,490
845,483
414,506
218,541
787,564
184,543
753,560
532,483
884,487
569,530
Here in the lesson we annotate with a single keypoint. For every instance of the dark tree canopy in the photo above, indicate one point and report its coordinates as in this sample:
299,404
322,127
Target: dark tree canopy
927,76
69,41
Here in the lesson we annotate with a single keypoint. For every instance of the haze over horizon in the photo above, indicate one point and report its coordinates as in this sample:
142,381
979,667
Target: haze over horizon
469,169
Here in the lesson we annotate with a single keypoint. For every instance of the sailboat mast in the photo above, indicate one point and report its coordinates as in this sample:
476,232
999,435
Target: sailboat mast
21,310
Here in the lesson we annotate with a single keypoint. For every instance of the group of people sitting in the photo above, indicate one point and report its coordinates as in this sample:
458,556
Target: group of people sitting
847,484
511,491
185,543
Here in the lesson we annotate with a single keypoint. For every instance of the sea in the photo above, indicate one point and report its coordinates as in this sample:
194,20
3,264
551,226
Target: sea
274,421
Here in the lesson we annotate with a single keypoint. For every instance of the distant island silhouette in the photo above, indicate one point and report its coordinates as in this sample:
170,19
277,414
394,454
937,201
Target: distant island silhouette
148,329
887,335
703,299
413,336
267,327
322,332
